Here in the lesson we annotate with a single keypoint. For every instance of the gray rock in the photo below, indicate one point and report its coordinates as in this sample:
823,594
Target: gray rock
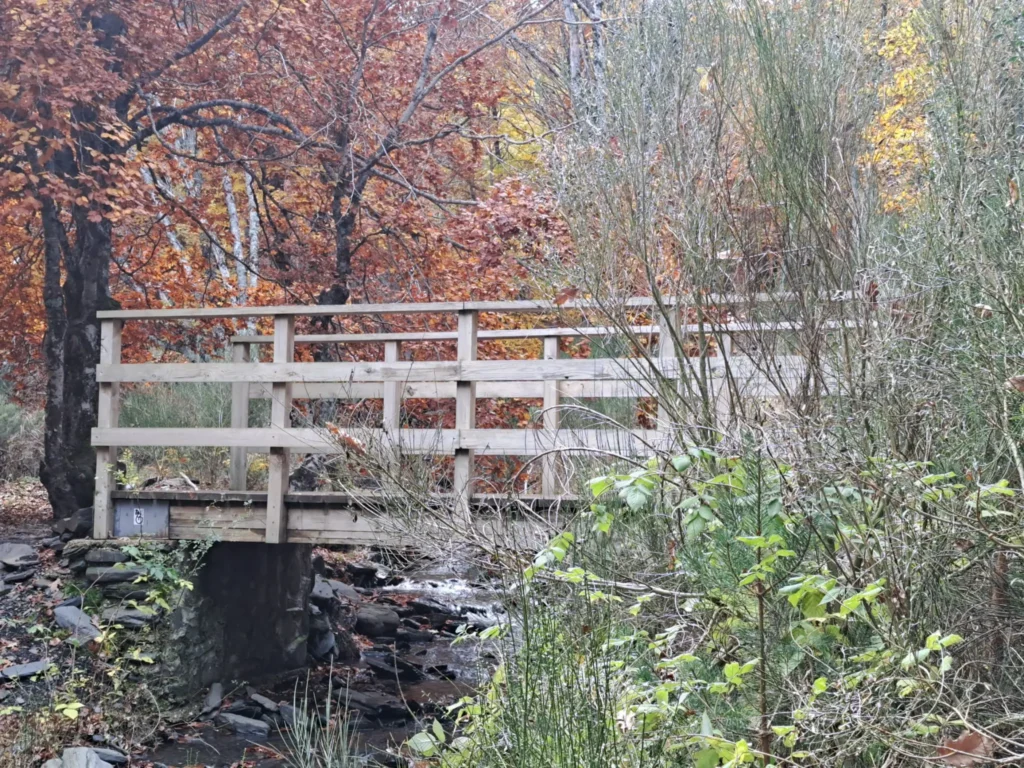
112,575
42,583
376,621
288,713
404,635
213,698
263,701
318,622
81,626
22,671
82,757
129,617
76,526
53,762
322,593
245,726
125,591
376,705
14,578
13,553
5,588
74,601
344,591
322,645
105,557
112,756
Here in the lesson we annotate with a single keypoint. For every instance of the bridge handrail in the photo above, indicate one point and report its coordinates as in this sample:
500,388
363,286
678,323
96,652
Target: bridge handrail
654,374
528,306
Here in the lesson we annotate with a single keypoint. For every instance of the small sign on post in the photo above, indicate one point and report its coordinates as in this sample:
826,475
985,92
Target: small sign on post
142,517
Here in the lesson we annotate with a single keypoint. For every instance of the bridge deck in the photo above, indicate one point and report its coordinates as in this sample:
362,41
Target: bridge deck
329,518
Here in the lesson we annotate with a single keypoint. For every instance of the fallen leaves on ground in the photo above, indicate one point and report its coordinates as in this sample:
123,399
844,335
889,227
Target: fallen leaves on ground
971,749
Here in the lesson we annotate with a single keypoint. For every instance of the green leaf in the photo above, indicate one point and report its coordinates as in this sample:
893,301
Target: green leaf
706,758
682,463
598,485
438,732
423,744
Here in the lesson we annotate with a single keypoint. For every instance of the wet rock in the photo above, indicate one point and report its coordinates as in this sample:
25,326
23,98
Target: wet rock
376,621
42,583
404,635
75,602
105,557
263,701
14,555
22,671
318,622
344,591
129,617
288,713
53,762
322,593
80,624
245,726
5,588
323,645
51,543
363,574
243,708
82,757
392,667
213,698
112,575
374,705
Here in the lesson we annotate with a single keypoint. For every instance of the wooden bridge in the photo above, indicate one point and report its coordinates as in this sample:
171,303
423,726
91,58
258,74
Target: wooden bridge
278,514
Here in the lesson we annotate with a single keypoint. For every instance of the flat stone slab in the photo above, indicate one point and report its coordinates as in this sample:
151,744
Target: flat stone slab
82,757
22,671
245,726
82,628
12,553
105,556
112,575
129,617
263,701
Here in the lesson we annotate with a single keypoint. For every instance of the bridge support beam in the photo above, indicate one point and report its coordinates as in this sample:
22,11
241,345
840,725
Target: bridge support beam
247,617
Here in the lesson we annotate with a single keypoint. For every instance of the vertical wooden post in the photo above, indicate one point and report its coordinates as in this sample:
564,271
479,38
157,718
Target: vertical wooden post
723,393
393,408
108,410
239,420
670,328
465,414
280,418
392,389
550,485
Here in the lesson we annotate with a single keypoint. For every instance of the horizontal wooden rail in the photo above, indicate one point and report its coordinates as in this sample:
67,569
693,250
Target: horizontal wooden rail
730,328
717,300
598,369
443,442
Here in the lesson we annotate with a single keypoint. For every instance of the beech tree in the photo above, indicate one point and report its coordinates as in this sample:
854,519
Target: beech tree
346,129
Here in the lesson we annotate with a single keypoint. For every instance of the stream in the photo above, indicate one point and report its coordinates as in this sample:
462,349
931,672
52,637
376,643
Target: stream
395,688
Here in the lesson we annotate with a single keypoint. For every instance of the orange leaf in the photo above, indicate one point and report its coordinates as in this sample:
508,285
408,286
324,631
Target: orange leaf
972,748
1015,383
566,294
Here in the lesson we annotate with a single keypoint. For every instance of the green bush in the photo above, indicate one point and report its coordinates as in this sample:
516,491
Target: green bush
21,440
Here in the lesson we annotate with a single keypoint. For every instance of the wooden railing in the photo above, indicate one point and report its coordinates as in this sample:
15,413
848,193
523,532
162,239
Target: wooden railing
392,380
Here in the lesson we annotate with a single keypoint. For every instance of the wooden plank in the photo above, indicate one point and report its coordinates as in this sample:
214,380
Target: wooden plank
438,442
392,389
542,333
550,485
238,465
603,369
445,390
465,414
711,300
107,412
280,418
